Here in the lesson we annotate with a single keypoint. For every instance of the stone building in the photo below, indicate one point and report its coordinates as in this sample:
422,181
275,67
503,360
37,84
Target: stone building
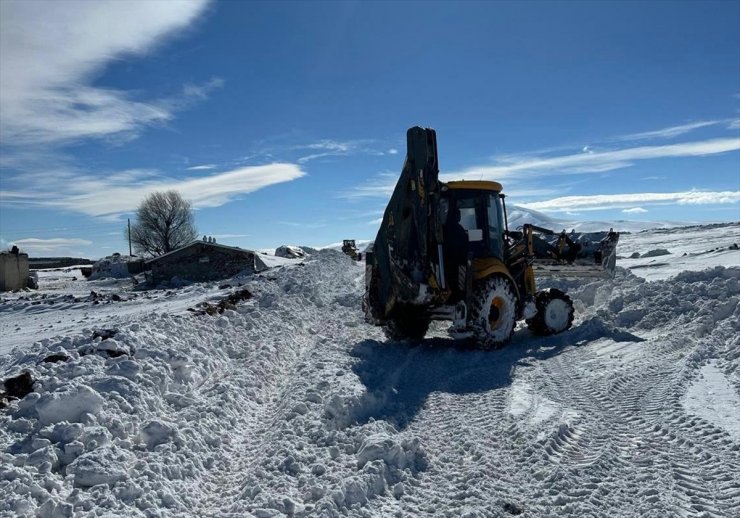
13,270
203,261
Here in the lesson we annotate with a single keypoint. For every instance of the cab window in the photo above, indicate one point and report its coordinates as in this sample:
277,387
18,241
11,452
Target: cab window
495,222
468,218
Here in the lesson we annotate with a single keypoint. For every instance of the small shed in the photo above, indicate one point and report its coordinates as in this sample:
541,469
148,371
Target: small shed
203,261
13,270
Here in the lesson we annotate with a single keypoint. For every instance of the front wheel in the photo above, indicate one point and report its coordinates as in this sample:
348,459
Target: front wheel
554,313
493,312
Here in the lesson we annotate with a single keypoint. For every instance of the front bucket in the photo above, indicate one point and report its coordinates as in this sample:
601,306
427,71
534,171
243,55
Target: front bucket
591,255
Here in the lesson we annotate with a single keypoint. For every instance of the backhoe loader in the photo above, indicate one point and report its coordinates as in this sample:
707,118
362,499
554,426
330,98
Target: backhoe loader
444,251
350,248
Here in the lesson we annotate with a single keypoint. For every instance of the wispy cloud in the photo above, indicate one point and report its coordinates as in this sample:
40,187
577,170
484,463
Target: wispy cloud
302,224
626,201
35,245
50,53
596,162
634,210
520,168
671,131
204,167
328,147
110,195
380,186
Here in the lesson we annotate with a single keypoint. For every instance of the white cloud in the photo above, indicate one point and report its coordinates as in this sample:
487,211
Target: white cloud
381,186
625,201
328,147
33,245
585,161
392,151
596,162
670,132
51,53
634,210
110,195
204,167
302,224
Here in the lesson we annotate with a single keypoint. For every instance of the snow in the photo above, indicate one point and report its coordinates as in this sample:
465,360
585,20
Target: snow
290,404
714,399
518,216
115,266
689,248
69,403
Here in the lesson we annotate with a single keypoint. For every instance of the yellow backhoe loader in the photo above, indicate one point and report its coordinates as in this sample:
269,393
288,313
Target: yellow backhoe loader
444,251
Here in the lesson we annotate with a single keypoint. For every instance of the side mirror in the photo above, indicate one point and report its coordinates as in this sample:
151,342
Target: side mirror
475,234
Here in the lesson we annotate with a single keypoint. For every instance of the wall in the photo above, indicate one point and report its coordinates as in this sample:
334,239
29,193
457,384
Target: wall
202,263
13,271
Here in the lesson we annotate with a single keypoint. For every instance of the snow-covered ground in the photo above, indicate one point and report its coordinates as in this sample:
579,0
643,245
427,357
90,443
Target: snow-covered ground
289,404
690,248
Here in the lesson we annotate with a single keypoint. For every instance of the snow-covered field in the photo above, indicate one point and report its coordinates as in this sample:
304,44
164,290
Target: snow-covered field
289,404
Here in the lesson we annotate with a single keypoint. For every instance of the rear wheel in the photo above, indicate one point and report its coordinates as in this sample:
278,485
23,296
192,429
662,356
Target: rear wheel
554,313
493,312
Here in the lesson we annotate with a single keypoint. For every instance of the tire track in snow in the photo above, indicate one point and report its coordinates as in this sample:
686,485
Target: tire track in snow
644,429
298,337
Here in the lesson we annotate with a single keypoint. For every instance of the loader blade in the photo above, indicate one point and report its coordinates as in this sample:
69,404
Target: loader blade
595,256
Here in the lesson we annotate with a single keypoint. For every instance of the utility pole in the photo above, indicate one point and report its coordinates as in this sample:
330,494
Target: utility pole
129,237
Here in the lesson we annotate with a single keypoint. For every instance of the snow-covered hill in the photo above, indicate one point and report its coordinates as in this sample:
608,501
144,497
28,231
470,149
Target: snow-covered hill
519,215
289,404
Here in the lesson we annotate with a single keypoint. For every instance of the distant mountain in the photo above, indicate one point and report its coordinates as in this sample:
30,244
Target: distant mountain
519,215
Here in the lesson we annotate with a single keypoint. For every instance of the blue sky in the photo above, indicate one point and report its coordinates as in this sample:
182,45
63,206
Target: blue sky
284,122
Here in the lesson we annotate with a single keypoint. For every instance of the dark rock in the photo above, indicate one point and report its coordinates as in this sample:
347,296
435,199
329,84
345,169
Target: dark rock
635,255
19,386
733,246
656,252
229,302
55,358
116,297
512,508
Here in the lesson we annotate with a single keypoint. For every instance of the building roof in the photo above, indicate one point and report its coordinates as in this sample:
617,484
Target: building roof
199,242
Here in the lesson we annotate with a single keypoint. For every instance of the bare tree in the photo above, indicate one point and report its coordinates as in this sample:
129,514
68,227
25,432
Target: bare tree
164,222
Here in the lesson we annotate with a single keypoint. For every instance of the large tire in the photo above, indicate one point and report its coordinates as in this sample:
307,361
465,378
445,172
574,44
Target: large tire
554,313
406,325
493,312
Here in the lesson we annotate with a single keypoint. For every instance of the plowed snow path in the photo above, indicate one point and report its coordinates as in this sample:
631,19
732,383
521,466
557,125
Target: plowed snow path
590,422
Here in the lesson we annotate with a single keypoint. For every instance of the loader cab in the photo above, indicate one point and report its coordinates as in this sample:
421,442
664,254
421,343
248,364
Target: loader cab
479,208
